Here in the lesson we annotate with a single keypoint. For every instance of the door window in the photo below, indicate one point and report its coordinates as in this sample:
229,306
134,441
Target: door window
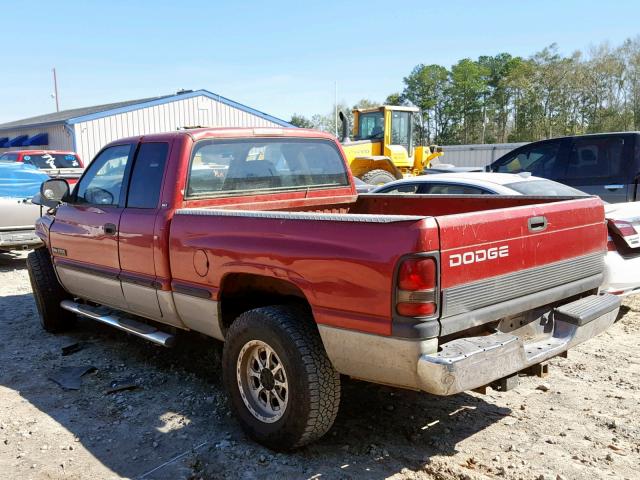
452,189
401,129
539,159
146,177
102,183
597,161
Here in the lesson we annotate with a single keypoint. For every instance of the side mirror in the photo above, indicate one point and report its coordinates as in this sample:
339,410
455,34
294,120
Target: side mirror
52,193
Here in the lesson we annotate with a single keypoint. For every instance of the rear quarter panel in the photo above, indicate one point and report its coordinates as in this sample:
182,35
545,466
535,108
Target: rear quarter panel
344,268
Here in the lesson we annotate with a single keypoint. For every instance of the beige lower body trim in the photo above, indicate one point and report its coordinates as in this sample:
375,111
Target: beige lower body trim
374,358
168,308
142,301
199,314
106,291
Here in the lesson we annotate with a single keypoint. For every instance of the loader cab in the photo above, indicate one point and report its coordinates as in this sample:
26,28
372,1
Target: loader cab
392,125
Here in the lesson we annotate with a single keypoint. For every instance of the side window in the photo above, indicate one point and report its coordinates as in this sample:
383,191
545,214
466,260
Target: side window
102,183
597,160
146,178
404,188
371,125
9,157
539,159
451,189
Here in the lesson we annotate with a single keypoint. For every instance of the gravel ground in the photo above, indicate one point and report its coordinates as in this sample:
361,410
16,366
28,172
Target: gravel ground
583,421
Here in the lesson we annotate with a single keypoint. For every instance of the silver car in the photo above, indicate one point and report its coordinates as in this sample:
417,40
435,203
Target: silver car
18,184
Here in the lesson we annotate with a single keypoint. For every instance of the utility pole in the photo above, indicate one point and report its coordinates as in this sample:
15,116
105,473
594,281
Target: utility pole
55,89
484,115
335,107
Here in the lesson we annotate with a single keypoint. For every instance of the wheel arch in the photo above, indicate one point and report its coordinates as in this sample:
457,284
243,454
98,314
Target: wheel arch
241,292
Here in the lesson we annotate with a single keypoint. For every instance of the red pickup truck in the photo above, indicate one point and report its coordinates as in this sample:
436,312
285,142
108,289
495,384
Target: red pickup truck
257,237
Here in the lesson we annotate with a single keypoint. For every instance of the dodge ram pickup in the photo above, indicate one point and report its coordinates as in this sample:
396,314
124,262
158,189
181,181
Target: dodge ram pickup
256,237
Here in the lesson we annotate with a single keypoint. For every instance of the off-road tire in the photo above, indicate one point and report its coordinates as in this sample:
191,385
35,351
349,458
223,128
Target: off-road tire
48,292
313,383
377,177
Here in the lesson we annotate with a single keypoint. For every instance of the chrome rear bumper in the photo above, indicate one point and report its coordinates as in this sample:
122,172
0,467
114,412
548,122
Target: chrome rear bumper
468,363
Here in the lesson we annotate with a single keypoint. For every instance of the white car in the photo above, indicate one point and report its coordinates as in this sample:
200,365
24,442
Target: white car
622,275
622,262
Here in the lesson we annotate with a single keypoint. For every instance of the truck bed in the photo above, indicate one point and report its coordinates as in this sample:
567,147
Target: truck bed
342,255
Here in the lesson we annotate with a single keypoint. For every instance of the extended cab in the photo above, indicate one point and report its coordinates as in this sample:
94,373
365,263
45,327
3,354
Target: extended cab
258,238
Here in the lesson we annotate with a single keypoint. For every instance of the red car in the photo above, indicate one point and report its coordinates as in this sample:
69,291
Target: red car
55,163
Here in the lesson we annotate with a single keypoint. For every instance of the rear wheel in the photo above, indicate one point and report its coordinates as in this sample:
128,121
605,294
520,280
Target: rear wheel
281,384
48,293
377,177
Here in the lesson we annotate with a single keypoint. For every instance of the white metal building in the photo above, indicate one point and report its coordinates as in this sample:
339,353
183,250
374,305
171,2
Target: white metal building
87,130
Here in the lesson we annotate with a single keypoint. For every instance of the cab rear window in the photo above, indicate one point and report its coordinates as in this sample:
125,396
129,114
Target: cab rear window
53,160
226,167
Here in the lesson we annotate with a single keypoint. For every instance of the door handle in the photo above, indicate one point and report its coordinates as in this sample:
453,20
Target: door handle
110,229
613,187
537,224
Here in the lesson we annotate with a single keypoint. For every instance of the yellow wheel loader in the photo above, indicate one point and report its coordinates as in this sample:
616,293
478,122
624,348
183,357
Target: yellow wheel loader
382,148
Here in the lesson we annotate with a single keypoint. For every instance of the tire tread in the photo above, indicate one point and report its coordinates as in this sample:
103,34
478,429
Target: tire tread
321,378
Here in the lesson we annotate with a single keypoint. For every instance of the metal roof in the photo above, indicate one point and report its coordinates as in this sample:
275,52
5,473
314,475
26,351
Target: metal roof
77,115
64,115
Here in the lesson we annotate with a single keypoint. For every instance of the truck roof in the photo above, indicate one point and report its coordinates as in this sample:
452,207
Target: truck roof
202,133
39,151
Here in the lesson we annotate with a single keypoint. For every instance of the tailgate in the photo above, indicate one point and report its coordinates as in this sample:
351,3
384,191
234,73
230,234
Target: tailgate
492,260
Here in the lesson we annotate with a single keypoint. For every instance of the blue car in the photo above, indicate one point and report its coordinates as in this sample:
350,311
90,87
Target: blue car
18,184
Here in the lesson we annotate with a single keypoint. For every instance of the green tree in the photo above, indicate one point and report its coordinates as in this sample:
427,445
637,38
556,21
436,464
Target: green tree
426,87
469,91
396,99
301,121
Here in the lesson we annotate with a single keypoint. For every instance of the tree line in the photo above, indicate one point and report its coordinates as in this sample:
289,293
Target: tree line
506,98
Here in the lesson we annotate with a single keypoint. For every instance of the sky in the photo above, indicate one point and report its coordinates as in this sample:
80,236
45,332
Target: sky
278,57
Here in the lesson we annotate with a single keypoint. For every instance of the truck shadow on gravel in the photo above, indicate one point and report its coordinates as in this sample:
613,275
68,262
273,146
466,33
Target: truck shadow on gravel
178,403
12,261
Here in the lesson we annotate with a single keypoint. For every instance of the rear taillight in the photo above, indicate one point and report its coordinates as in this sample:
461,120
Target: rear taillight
625,229
417,281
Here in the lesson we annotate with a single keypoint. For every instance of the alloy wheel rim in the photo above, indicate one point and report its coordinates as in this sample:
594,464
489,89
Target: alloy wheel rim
262,381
